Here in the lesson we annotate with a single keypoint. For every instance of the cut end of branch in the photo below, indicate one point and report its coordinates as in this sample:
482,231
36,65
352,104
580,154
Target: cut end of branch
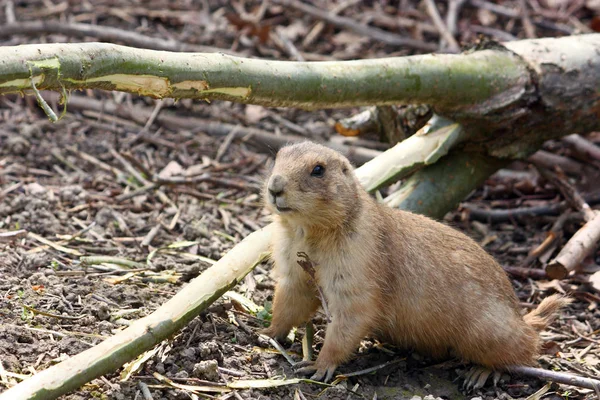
556,270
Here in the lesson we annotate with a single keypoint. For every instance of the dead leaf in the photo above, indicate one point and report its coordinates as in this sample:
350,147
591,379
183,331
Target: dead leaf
550,348
194,170
252,28
346,38
595,24
34,188
342,130
293,31
173,168
591,360
553,284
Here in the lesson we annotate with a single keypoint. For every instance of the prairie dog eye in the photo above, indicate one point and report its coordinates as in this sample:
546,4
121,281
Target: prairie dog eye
318,171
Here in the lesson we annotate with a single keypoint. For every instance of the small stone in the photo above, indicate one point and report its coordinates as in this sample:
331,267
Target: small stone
102,312
190,352
183,374
208,348
206,370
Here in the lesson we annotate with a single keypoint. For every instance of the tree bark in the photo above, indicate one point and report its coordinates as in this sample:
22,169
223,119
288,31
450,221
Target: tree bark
509,98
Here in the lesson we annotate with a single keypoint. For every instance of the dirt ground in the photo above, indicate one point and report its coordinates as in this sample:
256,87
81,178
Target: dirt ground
73,187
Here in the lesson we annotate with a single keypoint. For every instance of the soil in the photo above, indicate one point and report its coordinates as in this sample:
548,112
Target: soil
70,183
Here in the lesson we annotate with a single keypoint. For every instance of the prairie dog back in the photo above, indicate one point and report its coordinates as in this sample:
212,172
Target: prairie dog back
398,276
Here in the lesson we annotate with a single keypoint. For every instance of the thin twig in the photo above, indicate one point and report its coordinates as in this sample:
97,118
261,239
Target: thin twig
51,315
92,260
280,348
104,33
454,7
583,148
350,24
226,142
315,32
556,376
439,24
568,191
372,369
552,237
527,25
525,273
286,45
550,160
502,215
264,140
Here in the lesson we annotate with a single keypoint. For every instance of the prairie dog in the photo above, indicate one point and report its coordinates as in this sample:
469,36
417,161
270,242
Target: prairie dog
391,274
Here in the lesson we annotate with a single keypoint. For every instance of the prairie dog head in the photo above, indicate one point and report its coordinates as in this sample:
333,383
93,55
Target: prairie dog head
312,185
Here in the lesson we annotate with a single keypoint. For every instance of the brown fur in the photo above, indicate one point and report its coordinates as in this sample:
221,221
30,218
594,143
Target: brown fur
392,274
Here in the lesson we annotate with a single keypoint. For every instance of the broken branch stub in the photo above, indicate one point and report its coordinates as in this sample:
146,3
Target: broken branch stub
583,242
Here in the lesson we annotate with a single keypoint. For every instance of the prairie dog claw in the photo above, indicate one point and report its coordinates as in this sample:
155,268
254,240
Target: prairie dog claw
477,377
318,374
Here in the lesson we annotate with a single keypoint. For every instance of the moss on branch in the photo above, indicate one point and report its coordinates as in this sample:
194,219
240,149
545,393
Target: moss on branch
445,80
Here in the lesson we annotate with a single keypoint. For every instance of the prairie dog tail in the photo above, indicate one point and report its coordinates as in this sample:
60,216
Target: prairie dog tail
545,313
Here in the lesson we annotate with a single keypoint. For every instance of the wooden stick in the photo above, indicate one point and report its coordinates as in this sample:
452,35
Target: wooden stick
550,160
583,147
568,191
576,249
104,33
348,23
560,377
266,141
441,27
525,273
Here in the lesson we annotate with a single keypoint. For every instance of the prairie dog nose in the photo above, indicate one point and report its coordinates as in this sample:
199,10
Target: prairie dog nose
276,185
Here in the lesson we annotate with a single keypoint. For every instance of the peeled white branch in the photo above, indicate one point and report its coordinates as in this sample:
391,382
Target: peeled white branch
583,242
409,155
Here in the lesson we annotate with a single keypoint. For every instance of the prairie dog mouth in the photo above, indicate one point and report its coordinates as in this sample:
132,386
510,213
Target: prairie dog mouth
280,204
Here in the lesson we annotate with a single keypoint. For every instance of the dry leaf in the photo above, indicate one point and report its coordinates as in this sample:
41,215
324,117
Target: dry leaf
293,31
34,188
550,348
342,130
38,288
171,169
